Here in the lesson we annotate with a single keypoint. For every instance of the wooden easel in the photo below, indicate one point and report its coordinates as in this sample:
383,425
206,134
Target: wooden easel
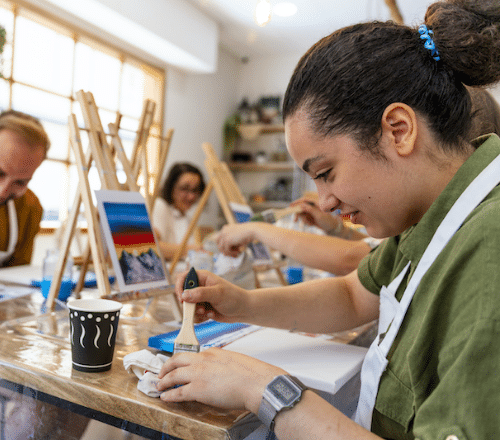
164,148
139,148
227,192
101,153
105,161
139,164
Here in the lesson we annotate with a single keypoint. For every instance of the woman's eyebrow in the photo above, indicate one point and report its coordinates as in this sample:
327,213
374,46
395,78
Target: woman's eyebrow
308,162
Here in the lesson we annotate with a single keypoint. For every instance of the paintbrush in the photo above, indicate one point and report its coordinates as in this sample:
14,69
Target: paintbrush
186,340
272,215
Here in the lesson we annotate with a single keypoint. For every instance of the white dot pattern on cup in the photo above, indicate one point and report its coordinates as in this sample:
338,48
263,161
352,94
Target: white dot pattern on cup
89,316
93,333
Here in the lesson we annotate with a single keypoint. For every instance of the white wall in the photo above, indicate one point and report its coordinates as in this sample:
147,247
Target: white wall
266,76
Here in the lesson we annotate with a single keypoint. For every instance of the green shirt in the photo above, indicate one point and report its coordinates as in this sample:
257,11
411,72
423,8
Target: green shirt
443,374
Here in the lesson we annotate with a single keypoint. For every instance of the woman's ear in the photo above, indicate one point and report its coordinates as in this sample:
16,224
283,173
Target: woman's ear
399,125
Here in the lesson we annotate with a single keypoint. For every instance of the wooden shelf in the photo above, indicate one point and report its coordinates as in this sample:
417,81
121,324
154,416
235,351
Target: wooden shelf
268,166
253,131
272,128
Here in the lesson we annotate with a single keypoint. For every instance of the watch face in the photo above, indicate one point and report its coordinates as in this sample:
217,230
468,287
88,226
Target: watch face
282,390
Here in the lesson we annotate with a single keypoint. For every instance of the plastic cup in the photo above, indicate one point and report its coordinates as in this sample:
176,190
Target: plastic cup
64,291
93,327
49,265
294,274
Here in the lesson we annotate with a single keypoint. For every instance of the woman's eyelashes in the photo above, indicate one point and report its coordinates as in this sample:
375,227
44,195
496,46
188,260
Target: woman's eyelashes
323,176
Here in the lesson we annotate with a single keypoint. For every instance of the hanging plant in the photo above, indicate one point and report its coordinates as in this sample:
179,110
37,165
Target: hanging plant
3,40
230,133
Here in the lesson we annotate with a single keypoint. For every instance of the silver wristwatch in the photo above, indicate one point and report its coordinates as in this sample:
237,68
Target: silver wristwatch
283,392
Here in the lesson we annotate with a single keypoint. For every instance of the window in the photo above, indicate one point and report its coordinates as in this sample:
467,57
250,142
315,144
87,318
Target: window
44,63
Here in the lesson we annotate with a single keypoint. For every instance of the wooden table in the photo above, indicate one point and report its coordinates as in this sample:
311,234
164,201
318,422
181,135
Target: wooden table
35,353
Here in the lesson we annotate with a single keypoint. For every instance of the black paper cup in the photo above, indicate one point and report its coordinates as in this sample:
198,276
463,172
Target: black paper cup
93,327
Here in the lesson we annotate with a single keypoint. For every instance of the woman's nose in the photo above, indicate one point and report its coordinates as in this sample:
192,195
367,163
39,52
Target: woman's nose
191,197
327,202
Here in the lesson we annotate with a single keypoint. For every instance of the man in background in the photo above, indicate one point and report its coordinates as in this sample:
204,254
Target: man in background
23,147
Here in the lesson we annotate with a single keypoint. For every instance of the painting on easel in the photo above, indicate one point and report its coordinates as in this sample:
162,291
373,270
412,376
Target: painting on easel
127,230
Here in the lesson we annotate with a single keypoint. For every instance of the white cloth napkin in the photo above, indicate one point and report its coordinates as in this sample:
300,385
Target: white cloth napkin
146,366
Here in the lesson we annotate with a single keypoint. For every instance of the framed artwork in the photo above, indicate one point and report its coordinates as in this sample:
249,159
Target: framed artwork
243,213
130,239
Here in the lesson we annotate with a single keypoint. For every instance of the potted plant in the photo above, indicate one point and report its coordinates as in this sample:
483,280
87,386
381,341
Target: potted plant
230,133
3,40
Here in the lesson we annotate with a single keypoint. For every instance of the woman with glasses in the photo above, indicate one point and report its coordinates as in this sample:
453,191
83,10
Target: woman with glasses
172,210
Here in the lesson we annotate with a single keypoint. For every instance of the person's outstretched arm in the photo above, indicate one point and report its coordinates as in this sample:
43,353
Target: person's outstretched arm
332,254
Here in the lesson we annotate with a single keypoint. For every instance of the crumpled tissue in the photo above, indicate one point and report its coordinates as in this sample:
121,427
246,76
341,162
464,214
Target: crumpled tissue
146,366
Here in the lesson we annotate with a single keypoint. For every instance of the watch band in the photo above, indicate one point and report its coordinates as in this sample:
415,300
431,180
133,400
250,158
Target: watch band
267,413
273,402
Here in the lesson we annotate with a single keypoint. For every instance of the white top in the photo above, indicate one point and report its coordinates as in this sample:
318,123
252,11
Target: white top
170,223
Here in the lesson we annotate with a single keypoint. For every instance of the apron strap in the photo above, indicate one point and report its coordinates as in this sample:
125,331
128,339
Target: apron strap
13,232
376,358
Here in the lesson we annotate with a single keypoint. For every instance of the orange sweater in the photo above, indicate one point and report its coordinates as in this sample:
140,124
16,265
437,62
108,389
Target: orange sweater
29,214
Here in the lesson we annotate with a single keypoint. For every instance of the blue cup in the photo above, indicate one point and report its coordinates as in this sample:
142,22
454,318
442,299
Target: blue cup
294,274
64,291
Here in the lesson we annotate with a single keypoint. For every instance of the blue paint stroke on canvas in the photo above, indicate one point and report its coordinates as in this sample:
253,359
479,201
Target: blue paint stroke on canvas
134,242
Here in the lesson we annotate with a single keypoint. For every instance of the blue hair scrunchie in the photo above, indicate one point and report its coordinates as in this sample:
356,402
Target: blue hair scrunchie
426,34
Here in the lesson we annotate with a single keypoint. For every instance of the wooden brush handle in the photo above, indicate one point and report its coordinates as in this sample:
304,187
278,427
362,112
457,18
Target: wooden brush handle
186,334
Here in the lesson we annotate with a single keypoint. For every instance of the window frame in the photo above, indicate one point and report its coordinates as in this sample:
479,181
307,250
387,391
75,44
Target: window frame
155,75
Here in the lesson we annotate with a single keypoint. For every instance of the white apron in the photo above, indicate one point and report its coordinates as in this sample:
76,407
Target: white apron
392,311
5,255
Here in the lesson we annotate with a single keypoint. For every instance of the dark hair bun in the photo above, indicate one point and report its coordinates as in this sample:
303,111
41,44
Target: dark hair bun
467,36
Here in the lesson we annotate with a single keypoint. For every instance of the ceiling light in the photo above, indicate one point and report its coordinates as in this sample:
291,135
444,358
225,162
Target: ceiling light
285,9
263,12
